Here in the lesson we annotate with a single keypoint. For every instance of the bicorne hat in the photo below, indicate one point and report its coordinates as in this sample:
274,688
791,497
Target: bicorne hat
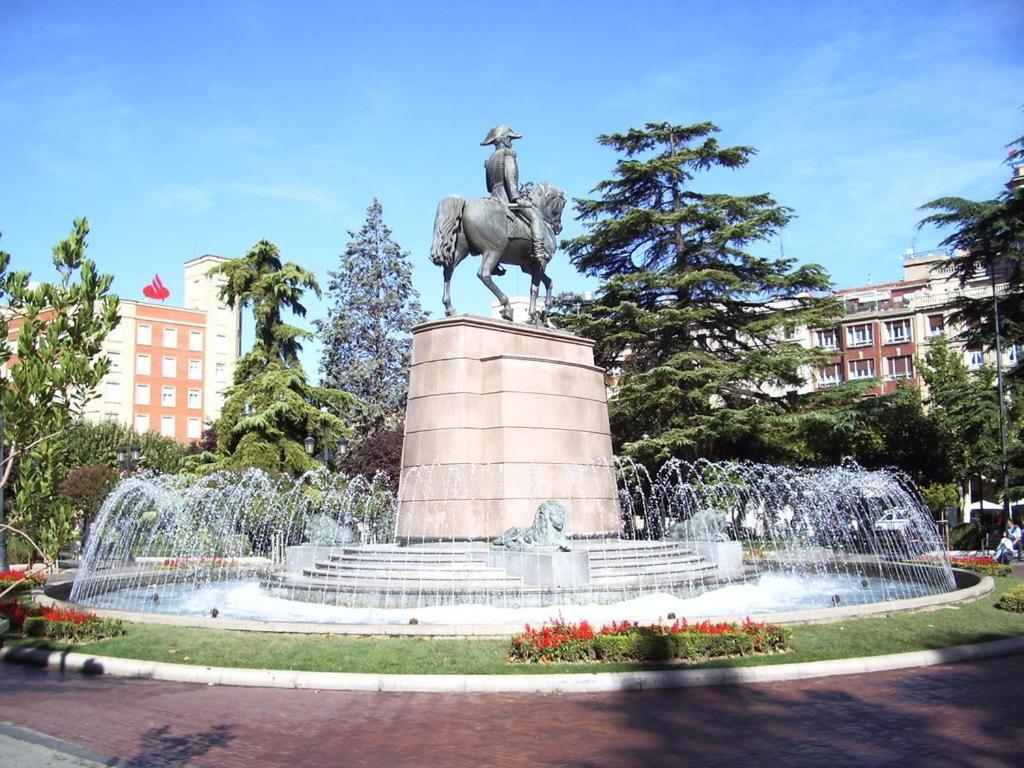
497,133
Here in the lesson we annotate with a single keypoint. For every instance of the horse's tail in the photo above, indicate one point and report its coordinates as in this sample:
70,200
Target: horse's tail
446,230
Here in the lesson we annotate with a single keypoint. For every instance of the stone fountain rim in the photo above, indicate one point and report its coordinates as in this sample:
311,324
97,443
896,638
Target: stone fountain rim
969,586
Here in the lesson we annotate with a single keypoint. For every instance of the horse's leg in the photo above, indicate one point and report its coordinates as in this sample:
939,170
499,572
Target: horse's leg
535,274
461,251
547,297
487,266
447,298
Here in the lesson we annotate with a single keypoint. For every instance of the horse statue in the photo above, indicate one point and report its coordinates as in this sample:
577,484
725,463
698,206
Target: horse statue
486,227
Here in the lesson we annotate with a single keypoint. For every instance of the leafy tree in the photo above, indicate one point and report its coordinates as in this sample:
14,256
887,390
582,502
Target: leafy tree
86,488
86,444
366,335
893,430
966,408
271,407
54,371
988,236
695,318
379,452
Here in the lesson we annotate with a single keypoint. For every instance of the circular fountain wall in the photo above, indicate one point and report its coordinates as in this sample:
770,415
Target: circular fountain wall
697,539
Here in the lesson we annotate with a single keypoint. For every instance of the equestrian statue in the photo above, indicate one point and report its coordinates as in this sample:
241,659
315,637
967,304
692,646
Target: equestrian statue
515,225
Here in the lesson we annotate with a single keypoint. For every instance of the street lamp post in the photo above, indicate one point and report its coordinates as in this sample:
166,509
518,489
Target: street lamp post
3,533
1002,404
128,456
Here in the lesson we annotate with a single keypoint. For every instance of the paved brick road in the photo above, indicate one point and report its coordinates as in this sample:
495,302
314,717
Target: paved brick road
955,715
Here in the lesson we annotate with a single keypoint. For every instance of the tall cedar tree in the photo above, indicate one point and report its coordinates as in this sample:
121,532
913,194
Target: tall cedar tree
698,317
367,335
272,407
988,237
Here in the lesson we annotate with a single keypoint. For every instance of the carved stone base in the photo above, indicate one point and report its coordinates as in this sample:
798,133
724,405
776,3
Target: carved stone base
501,418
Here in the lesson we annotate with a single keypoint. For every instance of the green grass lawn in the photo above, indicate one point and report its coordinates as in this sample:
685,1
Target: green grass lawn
974,622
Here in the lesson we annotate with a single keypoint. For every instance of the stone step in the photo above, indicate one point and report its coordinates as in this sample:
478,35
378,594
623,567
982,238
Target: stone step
402,585
378,562
493,574
654,568
626,563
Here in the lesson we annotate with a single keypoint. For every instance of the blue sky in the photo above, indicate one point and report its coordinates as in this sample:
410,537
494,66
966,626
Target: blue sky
193,127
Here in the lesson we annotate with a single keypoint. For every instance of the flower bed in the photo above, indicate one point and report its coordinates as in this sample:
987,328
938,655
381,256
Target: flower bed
1013,600
20,580
558,641
65,624
979,564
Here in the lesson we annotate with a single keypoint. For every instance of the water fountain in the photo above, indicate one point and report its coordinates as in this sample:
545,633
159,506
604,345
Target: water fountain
511,506
706,538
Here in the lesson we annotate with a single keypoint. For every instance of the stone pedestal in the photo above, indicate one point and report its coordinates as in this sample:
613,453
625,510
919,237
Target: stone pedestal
501,417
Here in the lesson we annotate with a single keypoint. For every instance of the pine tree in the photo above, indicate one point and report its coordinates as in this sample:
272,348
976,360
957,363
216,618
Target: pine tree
988,237
367,334
693,318
272,407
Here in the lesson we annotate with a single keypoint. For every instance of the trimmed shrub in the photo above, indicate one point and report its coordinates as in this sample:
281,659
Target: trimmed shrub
1012,600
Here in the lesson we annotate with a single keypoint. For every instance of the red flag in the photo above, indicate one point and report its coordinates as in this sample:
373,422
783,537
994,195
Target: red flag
156,290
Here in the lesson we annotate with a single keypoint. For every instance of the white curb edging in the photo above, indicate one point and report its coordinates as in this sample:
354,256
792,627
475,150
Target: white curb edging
59,661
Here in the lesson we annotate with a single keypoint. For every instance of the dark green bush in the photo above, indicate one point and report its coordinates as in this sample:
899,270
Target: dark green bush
1013,600
34,626
965,537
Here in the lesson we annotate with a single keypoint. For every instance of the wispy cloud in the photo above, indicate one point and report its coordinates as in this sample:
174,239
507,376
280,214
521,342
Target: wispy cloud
187,197
297,193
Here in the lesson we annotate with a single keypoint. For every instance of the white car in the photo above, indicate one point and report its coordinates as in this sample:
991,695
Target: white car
893,520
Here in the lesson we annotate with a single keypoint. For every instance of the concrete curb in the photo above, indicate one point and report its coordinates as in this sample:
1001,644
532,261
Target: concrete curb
63,661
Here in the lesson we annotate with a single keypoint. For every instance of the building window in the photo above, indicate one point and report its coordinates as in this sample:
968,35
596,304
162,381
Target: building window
901,367
936,325
142,423
195,340
828,339
195,429
144,334
115,361
975,358
220,371
142,365
195,369
167,426
859,335
171,337
170,367
142,394
830,375
862,369
222,344
110,418
1013,354
193,398
167,397
113,392
897,331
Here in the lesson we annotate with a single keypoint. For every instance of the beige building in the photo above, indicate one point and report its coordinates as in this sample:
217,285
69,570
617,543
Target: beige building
170,366
886,329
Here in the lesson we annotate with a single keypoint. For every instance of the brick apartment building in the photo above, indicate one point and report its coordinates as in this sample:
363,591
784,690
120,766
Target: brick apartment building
886,329
169,366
